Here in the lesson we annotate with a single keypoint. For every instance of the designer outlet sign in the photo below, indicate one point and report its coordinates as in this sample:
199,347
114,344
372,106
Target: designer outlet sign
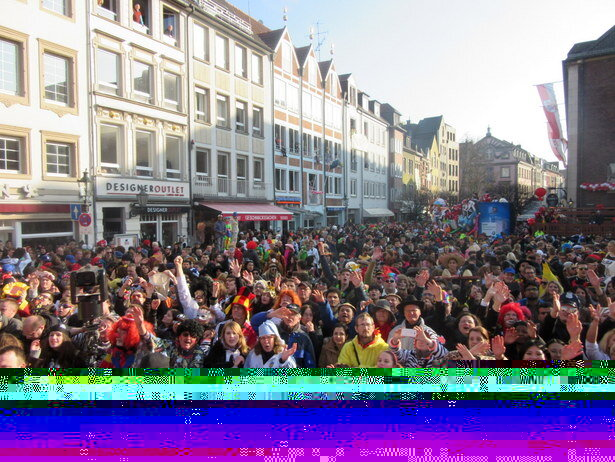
128,188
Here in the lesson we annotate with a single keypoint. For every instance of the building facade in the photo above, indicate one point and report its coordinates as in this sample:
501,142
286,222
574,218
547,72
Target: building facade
590,116
44,141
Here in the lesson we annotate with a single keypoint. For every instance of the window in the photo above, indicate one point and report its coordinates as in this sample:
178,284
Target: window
280,179
312,73
172,91
353,188
241,114
307,105
316,108
242,167
200,37
353,160
202,162
58,159
365,128
144,149
142,81
279,91
11,154
287,57
293,181
222,111
257,69
241,61
258,170
110,148
108,9
257,121
337,183
292,98
108,71
293,141
140,15
201,96
57,6
223,170
11,63
505,172
172,157
222,52
56,79
170,24
279,133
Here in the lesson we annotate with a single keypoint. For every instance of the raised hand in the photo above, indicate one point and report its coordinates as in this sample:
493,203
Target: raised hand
215,289
594,280
572,350
595,314
309,326
555,304
318,296
179,261
239,360
480,348
532,330
502,292
498,347
574,326
35,345
436,290
235,268
396,339
248,277
155,304
277,283
377,253
356,278
422,278
464,352
510,336
288,352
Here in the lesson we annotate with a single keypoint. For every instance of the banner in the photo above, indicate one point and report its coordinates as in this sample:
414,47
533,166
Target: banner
494,218
549,103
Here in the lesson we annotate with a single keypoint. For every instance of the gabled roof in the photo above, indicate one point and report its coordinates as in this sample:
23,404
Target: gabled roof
605,45
429,125
302,54
272,38
257,26
325,67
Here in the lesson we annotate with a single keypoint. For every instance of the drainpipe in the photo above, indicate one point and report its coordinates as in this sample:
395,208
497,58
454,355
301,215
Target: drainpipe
323,153
90,86
190,220
303,195
272,139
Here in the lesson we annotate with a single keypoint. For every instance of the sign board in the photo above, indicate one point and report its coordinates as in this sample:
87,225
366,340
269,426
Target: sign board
494,218
126,240
128,188
552,200
85,220
75,211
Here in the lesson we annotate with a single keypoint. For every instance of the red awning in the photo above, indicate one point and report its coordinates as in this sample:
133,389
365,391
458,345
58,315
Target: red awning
248,211
35,208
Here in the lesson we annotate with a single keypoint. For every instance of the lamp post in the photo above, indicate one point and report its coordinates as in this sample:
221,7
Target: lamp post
137,209
85,181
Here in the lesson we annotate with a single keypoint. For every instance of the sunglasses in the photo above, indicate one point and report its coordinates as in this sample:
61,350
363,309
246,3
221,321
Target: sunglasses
390,281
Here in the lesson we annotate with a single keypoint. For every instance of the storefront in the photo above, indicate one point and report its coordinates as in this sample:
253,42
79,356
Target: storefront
162,217
36,224
374,214
250,215
335,215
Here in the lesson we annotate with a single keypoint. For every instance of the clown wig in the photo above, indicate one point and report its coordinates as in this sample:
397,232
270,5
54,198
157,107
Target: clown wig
132,334
289,293
510,307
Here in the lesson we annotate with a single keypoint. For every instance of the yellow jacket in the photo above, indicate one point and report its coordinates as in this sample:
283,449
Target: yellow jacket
356,355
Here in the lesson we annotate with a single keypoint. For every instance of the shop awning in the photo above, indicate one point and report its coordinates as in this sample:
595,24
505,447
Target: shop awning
248,211
298,210
374,213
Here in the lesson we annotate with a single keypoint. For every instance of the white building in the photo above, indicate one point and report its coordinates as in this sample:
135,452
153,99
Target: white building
368,164
43,121
139,113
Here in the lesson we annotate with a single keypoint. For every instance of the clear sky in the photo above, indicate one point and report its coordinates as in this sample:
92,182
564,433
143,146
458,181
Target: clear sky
474,61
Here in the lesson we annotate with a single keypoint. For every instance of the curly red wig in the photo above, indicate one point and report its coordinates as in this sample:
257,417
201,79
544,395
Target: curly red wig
289,293
132,334
510,307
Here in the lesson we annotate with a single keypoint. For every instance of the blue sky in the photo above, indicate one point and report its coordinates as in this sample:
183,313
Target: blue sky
475,61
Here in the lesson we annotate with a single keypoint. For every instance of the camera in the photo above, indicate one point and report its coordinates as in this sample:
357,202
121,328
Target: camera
92,284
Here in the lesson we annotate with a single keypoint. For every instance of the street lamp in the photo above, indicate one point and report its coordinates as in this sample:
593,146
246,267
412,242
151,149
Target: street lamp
137,209
86,181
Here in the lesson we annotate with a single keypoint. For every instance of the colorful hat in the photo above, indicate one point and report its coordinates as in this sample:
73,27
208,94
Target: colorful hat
244,298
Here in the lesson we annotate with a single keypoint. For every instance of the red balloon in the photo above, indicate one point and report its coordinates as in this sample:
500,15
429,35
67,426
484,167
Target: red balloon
531,222
540,192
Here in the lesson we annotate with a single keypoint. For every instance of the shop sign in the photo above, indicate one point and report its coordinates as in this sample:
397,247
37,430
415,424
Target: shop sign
130,187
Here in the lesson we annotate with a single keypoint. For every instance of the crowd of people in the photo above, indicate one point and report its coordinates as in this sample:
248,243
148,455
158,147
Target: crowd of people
385,295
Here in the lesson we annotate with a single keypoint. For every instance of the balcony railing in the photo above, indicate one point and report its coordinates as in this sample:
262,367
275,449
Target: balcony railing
207,186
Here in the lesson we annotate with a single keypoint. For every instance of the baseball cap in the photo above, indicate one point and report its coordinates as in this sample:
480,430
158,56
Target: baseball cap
510,270
294,308
305,284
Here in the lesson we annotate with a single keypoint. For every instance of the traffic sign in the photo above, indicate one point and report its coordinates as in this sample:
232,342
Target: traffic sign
552,200
75,211
85,220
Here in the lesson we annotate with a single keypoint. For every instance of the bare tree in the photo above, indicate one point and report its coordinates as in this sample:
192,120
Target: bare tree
473,171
